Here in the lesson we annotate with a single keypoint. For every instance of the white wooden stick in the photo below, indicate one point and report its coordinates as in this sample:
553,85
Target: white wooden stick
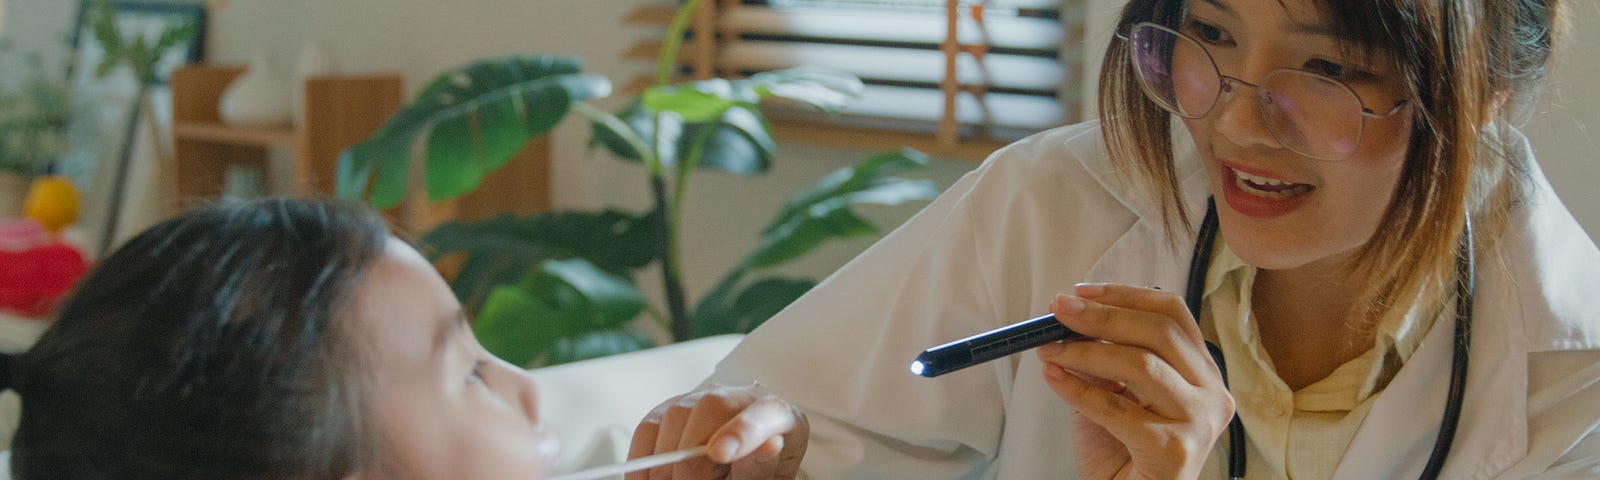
640,463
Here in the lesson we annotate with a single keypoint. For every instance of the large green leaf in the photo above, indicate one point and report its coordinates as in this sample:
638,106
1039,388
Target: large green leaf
556,312
814,216
605,300
644,123
801,235
516,326
501,249
822,211
849,180
476,117
758,302
826,90
741,143
696,102
595,345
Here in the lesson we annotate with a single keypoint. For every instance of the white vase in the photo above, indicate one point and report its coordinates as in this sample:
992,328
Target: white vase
315,61
256,99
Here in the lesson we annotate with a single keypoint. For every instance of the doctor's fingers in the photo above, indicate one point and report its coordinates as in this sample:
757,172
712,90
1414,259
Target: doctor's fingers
1157,445
1146,299
1136,373
1153,331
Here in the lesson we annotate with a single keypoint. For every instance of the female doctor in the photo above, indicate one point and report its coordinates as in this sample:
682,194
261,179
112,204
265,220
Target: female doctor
1326,198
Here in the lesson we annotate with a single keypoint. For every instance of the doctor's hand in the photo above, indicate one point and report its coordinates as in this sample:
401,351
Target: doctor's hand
750,433
1148,399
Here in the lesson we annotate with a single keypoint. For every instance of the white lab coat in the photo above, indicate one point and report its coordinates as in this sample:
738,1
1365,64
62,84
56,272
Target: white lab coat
1049,212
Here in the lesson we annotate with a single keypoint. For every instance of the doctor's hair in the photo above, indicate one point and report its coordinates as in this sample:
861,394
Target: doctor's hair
1472,69
213,345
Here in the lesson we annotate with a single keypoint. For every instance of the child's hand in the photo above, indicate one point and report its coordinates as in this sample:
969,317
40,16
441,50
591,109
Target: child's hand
750,434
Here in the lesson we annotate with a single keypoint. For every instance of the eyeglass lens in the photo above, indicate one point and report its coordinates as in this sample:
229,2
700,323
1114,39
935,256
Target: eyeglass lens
1309,114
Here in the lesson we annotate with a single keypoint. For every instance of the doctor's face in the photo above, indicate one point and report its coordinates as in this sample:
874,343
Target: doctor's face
1278,207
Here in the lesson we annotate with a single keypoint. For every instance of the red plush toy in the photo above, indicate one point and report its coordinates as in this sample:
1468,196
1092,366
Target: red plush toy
36,268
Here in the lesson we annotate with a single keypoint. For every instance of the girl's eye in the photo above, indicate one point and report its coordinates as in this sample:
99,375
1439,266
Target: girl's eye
476,375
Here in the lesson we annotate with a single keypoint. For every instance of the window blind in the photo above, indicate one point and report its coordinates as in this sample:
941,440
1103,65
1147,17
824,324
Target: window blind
957,69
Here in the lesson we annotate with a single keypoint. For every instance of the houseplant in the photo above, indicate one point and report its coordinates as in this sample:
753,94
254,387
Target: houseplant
33,121
558,286
142,55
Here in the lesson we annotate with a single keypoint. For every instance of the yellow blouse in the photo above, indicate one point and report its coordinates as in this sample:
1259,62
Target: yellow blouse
1296,434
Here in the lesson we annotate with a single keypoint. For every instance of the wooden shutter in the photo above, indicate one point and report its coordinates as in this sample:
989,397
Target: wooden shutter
951,70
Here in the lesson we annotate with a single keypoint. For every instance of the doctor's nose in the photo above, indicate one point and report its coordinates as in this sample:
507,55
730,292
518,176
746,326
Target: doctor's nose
1238,118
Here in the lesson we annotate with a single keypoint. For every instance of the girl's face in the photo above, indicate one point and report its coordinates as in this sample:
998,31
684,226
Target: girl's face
1319,212
444,406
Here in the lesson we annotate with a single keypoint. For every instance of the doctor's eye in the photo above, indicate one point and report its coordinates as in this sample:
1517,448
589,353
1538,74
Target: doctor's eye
1206,32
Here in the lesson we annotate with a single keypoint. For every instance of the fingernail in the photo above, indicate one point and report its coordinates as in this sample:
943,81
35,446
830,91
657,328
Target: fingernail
1090,290
1068,304
1049,349
724,449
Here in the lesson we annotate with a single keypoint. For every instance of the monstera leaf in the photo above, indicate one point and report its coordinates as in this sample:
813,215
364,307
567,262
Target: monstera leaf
716,124
565,311
501,249
812,217
475,118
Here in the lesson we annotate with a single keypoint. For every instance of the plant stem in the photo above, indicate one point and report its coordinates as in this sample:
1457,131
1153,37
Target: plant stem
671,276
675,33
671,272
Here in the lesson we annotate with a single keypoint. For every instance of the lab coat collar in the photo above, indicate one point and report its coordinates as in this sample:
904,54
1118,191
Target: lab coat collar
1530,298
1146,254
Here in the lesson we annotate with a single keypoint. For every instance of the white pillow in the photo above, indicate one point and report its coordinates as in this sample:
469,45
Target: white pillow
592,406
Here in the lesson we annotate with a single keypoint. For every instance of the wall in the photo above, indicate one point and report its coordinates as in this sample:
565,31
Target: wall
420,37
1560,128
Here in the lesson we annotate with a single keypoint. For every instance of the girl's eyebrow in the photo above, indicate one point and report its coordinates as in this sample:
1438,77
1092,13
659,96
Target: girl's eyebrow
445,330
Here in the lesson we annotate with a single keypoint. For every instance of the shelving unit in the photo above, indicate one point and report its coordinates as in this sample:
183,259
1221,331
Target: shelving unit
340,111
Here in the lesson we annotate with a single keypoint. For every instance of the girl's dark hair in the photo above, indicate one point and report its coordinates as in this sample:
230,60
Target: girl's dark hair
215,345
1472,67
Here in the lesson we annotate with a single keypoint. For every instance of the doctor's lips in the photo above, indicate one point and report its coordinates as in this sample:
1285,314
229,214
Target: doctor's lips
1259,194
991,345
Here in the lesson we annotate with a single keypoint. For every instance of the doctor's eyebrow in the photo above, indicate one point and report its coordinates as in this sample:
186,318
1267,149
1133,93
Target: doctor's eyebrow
1302,28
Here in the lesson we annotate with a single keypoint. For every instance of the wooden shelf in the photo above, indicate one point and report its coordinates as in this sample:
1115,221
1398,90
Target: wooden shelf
340,111
222,133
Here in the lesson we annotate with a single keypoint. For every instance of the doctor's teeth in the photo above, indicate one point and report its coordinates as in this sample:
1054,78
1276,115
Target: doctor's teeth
1271,182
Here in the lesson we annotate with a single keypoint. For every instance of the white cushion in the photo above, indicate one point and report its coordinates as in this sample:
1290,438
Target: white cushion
593,405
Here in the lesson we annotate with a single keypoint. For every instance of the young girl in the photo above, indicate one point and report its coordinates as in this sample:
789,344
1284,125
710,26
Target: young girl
1325,197
283,339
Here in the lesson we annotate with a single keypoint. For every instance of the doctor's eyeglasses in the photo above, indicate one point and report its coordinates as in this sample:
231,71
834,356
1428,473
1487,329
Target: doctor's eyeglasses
1311,114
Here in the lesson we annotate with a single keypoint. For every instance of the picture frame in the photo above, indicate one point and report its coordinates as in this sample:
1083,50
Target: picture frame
113,157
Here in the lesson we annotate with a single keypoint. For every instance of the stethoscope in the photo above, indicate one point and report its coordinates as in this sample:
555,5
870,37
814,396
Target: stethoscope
1458,360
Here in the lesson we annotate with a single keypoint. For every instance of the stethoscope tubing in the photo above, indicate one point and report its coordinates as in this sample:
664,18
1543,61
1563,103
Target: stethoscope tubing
1465,278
